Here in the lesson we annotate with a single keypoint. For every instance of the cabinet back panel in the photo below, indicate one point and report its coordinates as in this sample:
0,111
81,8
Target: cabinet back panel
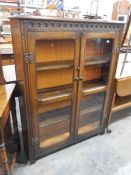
54,50
92,73
93,48
52,78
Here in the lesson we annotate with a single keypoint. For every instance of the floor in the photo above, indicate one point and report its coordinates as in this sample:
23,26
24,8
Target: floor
108,154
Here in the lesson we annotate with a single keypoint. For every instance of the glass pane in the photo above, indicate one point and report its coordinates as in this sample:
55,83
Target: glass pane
91,107
97,58
54,74
54,126
96,74
97,50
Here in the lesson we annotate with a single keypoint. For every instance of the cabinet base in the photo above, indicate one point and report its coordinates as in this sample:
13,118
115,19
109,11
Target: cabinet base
42,154
108,130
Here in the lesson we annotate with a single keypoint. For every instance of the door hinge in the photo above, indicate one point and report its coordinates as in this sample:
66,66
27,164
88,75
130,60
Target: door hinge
117,50
28,57
35,141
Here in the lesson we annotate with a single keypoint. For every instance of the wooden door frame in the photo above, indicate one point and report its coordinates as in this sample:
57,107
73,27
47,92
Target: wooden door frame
94,35
32,37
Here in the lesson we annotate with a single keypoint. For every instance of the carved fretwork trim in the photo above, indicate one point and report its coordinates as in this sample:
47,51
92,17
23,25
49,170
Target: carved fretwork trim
41,26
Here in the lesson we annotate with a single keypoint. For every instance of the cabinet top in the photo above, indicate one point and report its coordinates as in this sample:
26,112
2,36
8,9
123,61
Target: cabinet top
22,17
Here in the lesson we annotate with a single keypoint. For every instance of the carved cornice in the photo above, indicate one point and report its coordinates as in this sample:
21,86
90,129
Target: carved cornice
51,26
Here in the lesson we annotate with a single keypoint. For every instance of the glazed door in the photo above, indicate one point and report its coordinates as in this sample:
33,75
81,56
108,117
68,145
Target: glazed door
97,66
53,88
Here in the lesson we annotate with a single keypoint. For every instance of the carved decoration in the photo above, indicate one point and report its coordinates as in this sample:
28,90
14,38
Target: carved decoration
50,26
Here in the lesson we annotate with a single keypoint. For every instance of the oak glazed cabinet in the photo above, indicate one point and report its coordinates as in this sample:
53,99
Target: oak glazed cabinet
65,70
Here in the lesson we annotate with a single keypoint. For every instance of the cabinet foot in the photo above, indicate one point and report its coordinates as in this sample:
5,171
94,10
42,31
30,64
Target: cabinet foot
108,130
6,173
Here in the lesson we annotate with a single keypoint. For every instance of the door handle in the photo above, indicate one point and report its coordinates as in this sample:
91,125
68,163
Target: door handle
81,78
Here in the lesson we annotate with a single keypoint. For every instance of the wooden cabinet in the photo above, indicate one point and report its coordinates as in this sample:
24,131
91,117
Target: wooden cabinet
65,70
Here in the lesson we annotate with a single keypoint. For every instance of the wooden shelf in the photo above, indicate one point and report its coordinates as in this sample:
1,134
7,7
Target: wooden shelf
54,100
91,109
55,140
53,120
52,106
52,67
122,103
95,61
54,62
93,88
55,96
88,128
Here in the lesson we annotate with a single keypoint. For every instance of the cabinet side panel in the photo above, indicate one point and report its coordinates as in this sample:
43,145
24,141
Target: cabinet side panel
17,48
20,78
